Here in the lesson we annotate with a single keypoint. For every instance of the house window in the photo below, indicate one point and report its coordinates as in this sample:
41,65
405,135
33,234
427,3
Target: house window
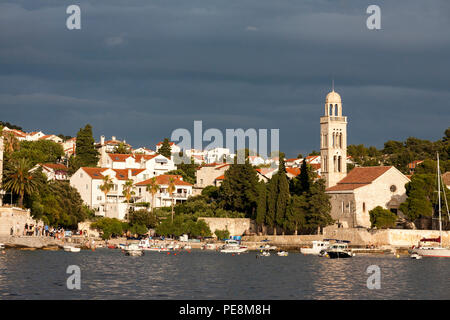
87,187
364,207
81,174
99,198
393,188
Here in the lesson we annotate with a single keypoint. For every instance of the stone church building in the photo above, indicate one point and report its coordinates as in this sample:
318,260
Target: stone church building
354,194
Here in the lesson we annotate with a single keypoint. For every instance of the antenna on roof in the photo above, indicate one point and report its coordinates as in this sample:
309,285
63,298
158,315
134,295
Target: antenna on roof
332,84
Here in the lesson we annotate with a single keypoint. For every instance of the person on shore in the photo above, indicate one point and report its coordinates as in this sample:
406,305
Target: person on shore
25,230
46,230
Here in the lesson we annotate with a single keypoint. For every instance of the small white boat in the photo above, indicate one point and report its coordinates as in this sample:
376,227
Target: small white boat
416,256
133,250
71,249
282,253
317,246
187,247
233,246
265,253
268,247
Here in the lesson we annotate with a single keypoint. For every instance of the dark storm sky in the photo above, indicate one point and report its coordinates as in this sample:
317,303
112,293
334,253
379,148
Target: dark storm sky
138,69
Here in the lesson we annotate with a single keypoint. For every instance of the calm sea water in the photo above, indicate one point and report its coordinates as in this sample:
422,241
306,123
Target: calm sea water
109,274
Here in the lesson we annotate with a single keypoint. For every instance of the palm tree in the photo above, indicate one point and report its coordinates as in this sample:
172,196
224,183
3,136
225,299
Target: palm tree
171,189
11,143
128,191
106,187
153,187
18,179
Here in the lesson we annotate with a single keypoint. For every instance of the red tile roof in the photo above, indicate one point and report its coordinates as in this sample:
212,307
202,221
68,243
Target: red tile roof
294,171
446,178
359,177
164,180
222,177
119,157
121,174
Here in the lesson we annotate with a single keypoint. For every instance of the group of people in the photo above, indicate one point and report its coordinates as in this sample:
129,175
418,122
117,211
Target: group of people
39,231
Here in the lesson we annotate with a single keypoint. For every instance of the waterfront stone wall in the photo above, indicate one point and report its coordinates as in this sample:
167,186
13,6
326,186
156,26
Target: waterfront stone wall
384,237
236,226
290,240
15,219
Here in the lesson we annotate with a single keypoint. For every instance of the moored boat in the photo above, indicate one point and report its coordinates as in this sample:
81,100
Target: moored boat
317,246
233,246
133,250
435,250
282,253
337,250
71,249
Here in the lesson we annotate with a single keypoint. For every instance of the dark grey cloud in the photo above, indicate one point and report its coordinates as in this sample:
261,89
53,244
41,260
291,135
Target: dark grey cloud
140,69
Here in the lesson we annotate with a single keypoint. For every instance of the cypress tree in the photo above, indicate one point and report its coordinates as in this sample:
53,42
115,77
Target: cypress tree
86,154
282,195
272,190
261,205
166,149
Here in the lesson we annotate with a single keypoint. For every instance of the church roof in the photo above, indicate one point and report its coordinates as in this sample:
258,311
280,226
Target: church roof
359,177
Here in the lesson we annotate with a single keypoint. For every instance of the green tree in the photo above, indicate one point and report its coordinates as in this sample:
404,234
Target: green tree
222,234
421,197
143,217
238,190
165,149
128,191
106,188
296,213
19,180
122,148
41,151
382,218
283,196
261,206
86,153
153,188
171,188
319,207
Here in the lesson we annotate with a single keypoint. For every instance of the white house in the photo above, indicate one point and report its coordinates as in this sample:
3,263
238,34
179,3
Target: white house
183,190
256,160
363,189
53,171
51,137
217,155
88,181
155,164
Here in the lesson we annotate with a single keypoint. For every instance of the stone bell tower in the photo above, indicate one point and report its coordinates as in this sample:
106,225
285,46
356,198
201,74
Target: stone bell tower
333,140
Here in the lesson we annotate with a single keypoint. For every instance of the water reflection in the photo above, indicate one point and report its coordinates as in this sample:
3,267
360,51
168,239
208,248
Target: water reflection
108,274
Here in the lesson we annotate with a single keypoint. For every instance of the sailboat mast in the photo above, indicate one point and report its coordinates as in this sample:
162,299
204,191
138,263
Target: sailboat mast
439,200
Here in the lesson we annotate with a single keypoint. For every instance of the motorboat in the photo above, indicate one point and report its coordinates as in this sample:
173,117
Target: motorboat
338,250
187,247
233,246
71,249
268,247
133,250
282,253
317,247
2,246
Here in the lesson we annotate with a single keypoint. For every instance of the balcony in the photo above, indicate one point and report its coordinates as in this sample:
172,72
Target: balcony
328,119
